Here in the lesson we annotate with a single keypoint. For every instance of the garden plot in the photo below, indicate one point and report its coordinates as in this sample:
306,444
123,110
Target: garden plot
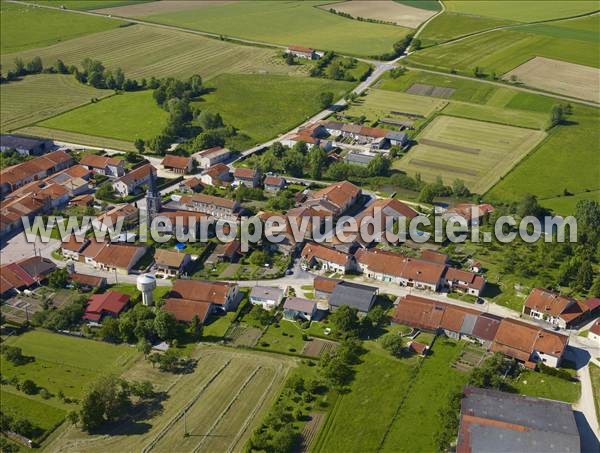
449,145
431,90
386,10
570,79
244,335
317,348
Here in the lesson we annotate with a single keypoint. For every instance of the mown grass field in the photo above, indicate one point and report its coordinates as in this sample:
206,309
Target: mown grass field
125,116
387,11
491,150
522,10
27,27
86,5
286,23
40,96
541,385
503,50
392,394
595,377
226,395
262,106
567,159
73,137
146,51
380,103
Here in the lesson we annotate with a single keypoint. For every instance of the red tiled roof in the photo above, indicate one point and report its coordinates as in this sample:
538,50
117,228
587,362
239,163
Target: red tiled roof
95,161
74,244
325,285
547,302
274,181
87,280
596,327
301,49
245,173
465,278
339,194
185,309
201,291
313,250
434,256
111,302
593,303
209,199
118,255
179,162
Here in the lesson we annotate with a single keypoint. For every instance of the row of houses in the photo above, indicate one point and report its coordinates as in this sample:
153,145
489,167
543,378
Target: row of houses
525,342
558,310
107,256
430,272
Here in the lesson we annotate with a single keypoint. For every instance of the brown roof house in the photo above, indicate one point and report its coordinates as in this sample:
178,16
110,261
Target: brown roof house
248,177
337,197
218,207
464,281
324,287
274,183
178,164
191,185
131,183
189,298
393,267
594,333
302,52
553,308
73,246
119,258
104,165
171,262
326,258
217,175
211,156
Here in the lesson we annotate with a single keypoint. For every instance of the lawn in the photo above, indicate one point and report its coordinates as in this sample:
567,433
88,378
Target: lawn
40,96
522,10
131,290
359,419
146,51
73,137
285,23
500,115
503,50
539,385
567,159
86,5
262,106
477,152
117,117
418,419
285,336
595,376
27,27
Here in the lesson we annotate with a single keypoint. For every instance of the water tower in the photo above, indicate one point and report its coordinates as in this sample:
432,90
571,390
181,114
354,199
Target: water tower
146,283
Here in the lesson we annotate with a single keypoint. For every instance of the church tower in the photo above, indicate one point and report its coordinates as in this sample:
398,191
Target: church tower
152,199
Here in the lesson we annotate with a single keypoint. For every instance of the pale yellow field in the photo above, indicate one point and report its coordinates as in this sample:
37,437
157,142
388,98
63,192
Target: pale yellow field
477,152
381,103
386,10
570,79
145,9
225,397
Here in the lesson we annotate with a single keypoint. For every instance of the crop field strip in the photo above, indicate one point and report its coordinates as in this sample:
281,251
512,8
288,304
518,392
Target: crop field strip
501,147
146,51
386,10
430,90
40,96
73,137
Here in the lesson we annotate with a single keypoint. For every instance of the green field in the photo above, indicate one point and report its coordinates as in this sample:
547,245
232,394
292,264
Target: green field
500,115
73,137
522,10
503,50
40,96
569,160
431,5
45,417
86,5
595,377
146,51
27,27
448,26
493,149
286,23
227,394
390,393
125,117
380,103
262,106
541,385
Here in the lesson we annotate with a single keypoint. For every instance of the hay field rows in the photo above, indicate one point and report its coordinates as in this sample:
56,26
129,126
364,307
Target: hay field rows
285,23
225,396
522,10
41,96
146,51
385,10
500,148
570,79
381,103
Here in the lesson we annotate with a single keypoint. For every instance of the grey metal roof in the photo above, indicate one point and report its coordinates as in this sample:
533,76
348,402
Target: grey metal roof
547,426
354,295
18,142
468,324
266,293
299,304
362,159
393,135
